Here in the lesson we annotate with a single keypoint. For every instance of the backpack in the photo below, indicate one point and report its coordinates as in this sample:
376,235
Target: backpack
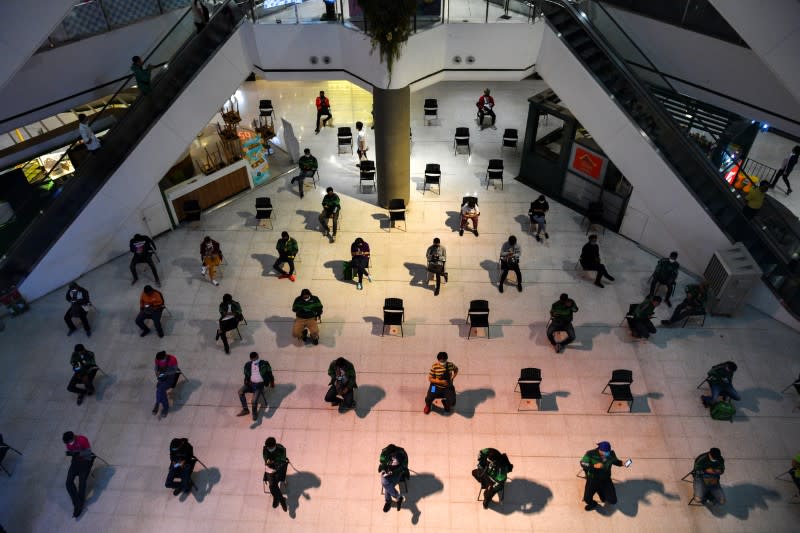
723,410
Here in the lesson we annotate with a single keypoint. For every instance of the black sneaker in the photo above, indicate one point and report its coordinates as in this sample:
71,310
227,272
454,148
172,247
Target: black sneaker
666,323
591,506
446,277
476,233
486,502
387,506
599,284
177,491
436,292
70,332
669,304
155,409
400,502
546,236
144,332
76,512
275,503
314,341
305,335
461,233
500,288
283,505
243,412
80,398
519,288
538,239
88,333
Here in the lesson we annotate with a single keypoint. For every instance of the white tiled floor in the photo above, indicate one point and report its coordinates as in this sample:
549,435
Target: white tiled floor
336,486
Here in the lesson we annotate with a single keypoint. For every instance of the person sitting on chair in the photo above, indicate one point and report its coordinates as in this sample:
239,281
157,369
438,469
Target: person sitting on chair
720,380
485,105
331,205
84,369
181,465
230,314
436,256
509,260
323,110
440,379
639,322
79,303
211,257
142,247
590,260
167,374
537,212
342,384
469,211
308,165
561,320
275,465
708,467
693,304
151,305
257,375
308,311
491,472
359,251
79,449
393,468
665,274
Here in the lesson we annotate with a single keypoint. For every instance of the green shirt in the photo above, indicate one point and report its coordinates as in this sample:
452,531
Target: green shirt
593,457
563,310
307,309
308,163
331,203
287,247
498,470
666,270
394,472
697,294
275,459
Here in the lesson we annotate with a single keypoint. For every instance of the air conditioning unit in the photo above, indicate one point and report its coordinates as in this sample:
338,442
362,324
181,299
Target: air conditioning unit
731,274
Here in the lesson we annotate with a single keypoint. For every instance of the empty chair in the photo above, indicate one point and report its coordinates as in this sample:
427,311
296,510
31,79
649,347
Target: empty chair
191,210
478,316
397,213
529,381
494,172
510,139
431,108
264,211
367,174
393,314
265,108
345,138
461,139
620,385
4,449
433,176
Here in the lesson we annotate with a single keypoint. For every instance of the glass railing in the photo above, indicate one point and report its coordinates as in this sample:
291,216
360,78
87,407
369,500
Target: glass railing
772,236
58,201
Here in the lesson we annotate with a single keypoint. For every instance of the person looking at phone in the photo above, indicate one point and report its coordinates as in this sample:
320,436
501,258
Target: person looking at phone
440,380
597,465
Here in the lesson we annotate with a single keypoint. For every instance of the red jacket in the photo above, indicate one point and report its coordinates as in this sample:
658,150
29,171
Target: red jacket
82,446
212,250
481,102
170,362
324,102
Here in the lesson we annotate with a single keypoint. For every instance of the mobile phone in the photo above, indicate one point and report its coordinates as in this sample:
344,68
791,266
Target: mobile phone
628,463
433,388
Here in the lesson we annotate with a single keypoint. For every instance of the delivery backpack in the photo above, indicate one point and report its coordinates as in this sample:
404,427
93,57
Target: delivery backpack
723,410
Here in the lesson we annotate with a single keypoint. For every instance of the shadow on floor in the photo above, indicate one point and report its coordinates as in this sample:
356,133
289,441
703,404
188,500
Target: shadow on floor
632,493
420,486
453,220
102,382
190,267
282,327
276,396
640,403
205,480
368,396
522,496
299,485
310,220
524,223
337,269
181,393
743,498
750,398
98,480
467,401
492,269
266,261
250,220
418,273
549,401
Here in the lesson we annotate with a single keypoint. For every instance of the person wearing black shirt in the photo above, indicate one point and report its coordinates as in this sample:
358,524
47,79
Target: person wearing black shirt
78,299
537,212
84,369
142,247
181,464
590,260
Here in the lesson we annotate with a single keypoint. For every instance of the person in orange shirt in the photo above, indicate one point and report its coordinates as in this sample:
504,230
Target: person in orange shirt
323,109
151,305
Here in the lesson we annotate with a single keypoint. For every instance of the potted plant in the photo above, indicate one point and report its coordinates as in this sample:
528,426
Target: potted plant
389,27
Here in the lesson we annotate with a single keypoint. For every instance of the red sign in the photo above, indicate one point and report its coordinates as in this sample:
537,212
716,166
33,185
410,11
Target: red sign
587,163
731,175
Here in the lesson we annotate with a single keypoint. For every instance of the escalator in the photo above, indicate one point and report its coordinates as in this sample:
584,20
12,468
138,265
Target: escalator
775,249
186,53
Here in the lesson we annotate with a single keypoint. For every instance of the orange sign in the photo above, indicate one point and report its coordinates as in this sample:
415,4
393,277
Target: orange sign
587,163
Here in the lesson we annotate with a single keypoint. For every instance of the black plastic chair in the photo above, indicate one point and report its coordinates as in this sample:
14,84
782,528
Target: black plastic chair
265,108
529,381
191,211
397,213
620,385
393,314
494,172
367,174
528,374
431,108
264,211
344,138
433,176
4,449
461,139
510,139
478,317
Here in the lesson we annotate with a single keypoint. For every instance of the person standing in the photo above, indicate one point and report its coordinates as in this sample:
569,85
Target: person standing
393,468
640,323
287,250
361,141
440,383
308,165
666,273
693,304
754,200
167,374
84,369
79,303
590,260
142,247
561,320
142,74
323,110
359,262
597,465
151,305
308,310
537,212
331,205
469,212
230,314
509,260
485,106
708,467
275,465
211,258
436,256
342,386
788,165
79,449
257,375
720,380
491,472
88,137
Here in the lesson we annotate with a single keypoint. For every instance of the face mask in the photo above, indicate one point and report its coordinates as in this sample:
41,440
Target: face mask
270,450
671,260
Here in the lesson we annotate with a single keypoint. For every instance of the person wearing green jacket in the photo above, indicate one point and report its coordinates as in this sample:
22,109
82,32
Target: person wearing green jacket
307,309
491,472
230,314
287,250
597,465
257,375
331,205
142,75
720,380
342,385
561,320
275,465
708,467
693,304
84,369
639,322
665,274
308,166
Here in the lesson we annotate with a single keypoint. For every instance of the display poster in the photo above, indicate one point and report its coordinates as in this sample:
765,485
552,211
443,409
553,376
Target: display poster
424,7
256,156
588,163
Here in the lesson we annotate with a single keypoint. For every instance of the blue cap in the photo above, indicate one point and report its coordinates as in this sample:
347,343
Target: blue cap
604,446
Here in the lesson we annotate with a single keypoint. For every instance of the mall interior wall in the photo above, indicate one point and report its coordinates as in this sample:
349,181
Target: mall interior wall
105,226
718,66
67,70
24,26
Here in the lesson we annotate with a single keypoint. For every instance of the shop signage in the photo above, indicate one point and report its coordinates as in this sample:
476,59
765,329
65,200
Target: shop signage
256,156
587,163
